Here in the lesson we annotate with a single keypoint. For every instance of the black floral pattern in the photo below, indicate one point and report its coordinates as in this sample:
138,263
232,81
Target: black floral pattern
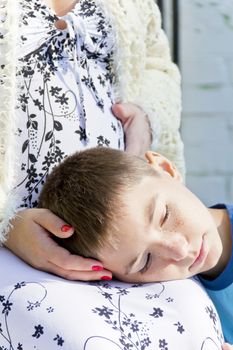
101,315
134,333
38,330
65,90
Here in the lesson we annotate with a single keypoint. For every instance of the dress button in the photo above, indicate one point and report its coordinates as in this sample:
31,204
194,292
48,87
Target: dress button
60,24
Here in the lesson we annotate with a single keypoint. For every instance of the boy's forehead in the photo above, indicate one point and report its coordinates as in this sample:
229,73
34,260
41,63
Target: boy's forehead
142,188
147,195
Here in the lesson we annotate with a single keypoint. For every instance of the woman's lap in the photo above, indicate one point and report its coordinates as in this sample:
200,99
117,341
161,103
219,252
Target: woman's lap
41,311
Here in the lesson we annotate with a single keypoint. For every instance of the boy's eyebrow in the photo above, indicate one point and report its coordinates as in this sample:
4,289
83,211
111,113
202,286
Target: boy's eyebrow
149,211
150,208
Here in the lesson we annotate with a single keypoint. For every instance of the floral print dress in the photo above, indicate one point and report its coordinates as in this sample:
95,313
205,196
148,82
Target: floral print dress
65,90
39,311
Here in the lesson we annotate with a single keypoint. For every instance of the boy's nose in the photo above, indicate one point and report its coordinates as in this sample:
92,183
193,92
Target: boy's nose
175,246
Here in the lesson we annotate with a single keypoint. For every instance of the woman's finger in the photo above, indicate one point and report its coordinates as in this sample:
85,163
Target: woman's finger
75,275
52,223
125,111
64,259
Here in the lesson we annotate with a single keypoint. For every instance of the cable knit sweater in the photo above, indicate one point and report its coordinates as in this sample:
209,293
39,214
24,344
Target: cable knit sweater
145,76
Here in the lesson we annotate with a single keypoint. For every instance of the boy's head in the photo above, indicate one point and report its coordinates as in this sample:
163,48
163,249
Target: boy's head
134,215
86,191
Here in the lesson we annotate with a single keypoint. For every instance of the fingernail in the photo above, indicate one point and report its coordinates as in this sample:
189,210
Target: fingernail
66,228
106,278
97,268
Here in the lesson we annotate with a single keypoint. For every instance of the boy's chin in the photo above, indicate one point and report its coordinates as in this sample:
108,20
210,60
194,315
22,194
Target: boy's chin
214,269
213,266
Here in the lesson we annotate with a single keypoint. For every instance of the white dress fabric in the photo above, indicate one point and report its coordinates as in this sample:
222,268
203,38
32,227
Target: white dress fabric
40,311
145,75
65,90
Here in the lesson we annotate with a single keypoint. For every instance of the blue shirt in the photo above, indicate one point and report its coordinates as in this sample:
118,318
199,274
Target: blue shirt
220,289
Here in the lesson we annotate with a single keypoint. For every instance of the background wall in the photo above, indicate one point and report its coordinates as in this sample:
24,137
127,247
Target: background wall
206,62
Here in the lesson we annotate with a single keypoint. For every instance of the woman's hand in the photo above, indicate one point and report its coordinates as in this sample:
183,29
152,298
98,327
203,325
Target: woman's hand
227,346
136,125
30,239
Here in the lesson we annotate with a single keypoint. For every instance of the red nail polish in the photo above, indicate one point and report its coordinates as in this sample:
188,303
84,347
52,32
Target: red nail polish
97,268
66,228
106,278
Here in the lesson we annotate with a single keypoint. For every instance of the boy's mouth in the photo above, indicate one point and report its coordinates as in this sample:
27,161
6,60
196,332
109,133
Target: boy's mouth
200,257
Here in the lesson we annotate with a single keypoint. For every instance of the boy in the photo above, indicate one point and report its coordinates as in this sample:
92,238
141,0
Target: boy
142,223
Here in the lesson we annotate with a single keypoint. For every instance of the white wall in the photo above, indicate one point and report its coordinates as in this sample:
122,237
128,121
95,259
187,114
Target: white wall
206,54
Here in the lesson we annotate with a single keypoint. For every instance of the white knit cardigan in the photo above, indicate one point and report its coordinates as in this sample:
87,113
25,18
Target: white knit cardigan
145,76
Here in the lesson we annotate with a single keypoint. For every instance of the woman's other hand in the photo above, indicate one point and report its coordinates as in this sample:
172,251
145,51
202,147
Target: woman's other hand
227,346
29,238
136,125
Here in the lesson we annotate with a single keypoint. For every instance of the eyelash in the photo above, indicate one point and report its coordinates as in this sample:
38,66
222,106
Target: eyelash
148,259
147,264
166,215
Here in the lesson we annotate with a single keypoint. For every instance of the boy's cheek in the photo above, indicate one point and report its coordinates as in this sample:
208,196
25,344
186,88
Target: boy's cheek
133,278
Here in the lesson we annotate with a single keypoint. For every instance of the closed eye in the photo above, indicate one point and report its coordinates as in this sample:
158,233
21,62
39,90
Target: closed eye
147,264
166,215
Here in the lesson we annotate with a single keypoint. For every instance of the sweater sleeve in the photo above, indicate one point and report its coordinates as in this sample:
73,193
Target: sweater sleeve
8,30
160,95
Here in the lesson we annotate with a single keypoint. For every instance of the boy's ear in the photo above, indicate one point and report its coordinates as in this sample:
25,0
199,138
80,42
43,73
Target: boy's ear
162,164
